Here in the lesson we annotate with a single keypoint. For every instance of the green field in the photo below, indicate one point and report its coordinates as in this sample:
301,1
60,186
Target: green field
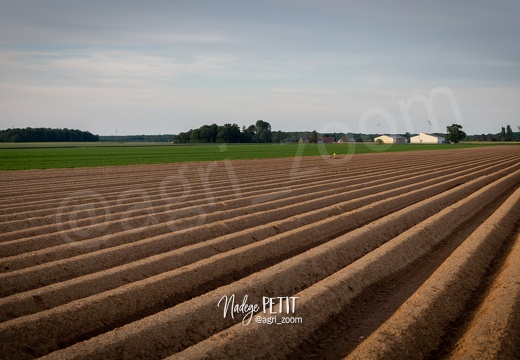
18,156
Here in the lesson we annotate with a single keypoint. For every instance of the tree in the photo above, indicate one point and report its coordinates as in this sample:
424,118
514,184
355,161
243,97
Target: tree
263,132
509,133
45,134
280,136
248,135
229,133
208,133
455,133
491,137
503,134
195,136
314,137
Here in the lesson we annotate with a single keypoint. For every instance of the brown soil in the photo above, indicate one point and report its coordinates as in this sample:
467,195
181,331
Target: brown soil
384,253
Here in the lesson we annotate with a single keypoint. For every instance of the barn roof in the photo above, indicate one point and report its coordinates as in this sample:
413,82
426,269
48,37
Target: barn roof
437,136
394,136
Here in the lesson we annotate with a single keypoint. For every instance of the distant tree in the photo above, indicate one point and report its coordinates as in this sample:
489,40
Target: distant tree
455,133
229,133
248,135
182,138
263,132
206,134
45,135
214,132
358,138
509,133
195,136
280,136
491,137
314,137
503,134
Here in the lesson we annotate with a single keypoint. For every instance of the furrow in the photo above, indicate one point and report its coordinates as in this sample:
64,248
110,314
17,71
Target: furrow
416,250
159,191
176,328
422,320
326,298
119,209
494,333
261,170
75,266
156,223
47,274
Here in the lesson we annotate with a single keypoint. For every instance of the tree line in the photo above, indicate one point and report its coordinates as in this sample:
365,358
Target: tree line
506,134
260,132
45,135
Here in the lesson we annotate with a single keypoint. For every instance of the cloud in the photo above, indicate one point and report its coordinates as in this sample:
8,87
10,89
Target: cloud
91,68
293,62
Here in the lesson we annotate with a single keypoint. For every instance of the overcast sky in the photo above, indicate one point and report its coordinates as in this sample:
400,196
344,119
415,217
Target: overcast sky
159,66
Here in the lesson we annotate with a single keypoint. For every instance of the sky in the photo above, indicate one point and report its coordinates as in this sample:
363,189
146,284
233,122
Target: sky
164,67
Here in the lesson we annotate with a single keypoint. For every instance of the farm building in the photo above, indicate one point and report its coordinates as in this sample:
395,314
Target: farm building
391,139
346,139
424,138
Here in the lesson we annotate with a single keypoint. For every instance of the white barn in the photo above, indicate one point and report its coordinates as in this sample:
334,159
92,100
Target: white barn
391,139
424,138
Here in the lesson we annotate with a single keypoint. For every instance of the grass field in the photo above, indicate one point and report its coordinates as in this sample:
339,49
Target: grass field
23,156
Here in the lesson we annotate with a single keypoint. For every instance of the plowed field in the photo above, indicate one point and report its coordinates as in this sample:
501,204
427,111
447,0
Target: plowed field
376,256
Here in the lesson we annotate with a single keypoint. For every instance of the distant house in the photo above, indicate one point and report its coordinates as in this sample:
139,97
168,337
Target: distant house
424,138
391,139
346,139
